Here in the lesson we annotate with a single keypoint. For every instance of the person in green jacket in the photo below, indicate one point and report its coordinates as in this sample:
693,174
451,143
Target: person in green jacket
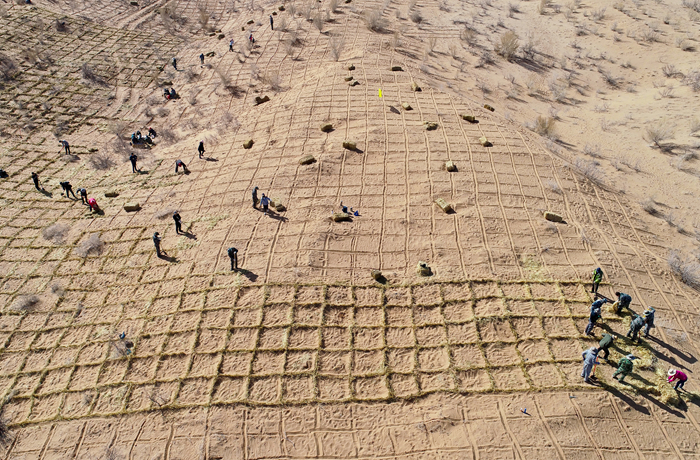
597,278
625,366
605,343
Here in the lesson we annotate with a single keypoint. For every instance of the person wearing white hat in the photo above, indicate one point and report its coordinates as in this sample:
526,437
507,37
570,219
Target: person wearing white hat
679,377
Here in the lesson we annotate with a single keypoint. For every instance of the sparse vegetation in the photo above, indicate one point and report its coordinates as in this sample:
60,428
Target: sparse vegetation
56,233
100,161
374,20
508,46
544,126
658,133
589,169
92,246
684,267
336,45
25,303
415,16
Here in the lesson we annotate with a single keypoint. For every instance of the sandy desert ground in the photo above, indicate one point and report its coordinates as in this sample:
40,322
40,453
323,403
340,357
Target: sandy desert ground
108,351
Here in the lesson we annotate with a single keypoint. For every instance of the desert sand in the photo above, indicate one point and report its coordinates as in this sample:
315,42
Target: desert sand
586,110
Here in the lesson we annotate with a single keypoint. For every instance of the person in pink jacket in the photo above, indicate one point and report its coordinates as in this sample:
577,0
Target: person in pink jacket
679,376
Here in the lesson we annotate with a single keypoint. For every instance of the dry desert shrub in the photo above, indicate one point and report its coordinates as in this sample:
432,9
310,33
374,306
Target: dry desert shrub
89,74
415,17
5,435
692,4
544,126
333,6
599,14
58,290
468,35
273,79
694,126
164,213
508,46
318,21
609,78
649,206
8,68
658,133
56,233
25,303
592,150
374,20
336,45
692,79
542,6
554,187
92,246
100,162
589,169
685,268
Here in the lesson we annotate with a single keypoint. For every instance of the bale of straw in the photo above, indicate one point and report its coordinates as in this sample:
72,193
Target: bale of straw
248,144
488,107
351,67
341,216
349,78
111,194
469,118
307,160
485,142
430,125
444,205
131,207
376,274
354,83
450,166
260,100
415,87
396,68
406,106
423,270
277,204
349,145
326,127
553,217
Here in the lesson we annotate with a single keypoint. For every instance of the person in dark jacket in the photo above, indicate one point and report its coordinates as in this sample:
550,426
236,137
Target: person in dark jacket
178,222
635,327
156,242
595,315
605,343
233,255
623,301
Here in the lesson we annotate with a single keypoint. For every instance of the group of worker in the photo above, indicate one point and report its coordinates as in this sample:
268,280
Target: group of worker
67,187
626,363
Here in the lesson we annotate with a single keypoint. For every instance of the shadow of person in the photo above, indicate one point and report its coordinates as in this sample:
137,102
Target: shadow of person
685,357
141,171
276,216
168,258
248,274
189,235
46,192
211,159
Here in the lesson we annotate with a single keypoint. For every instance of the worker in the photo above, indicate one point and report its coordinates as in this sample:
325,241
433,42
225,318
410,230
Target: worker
590,358
595,315
648,320
679,376
605,343
623,301
624,367
635,327
597,278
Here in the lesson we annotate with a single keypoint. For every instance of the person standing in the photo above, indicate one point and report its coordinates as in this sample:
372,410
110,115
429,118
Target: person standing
200,149
623,301
251,39
201,58
156,242
597,278
230,45
37,182
233,255
178,222
595,315
66,147
590,359
255,197
133,159
605,343
635,327
624,367
265,202
648,320
83,195
272,23
174,63
68,188
680,376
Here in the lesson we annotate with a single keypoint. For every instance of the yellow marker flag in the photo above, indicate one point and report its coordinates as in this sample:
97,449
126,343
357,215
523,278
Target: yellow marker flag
380,92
